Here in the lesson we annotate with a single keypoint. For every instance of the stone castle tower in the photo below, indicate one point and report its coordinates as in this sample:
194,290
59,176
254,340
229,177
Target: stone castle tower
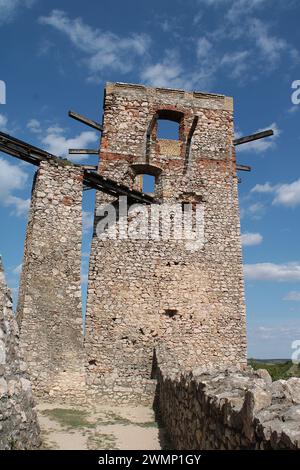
146,292
142,293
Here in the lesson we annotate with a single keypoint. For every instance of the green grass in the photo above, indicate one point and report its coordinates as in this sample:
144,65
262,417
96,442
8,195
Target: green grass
69,418
112,418
102,442
278,370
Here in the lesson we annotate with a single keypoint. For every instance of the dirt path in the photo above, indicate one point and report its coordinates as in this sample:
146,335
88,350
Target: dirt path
99,427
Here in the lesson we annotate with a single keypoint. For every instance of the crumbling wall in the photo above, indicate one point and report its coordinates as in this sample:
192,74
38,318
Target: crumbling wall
144,292
228,409
50,310
19,428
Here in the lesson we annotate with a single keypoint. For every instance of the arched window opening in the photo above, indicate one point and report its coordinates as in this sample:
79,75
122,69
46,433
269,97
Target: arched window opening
148,184
167,129
145,177
145,183
169,124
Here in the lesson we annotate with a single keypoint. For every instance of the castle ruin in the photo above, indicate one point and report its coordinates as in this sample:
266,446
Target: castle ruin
165,318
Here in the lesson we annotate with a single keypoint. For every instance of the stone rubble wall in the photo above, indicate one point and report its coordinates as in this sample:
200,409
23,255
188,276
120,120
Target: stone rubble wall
229,409
49,310
19,427
143,293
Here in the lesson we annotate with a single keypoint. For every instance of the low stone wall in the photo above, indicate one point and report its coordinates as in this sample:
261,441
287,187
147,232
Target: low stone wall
231,409
18,421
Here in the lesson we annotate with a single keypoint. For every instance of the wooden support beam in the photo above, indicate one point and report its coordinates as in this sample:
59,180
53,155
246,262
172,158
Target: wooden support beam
252,137
89,167
83,151
243,168
85,120
28,153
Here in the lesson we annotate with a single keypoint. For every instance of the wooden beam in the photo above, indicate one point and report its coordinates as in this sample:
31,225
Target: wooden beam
83,151
85,120
243,168
28,153
252,137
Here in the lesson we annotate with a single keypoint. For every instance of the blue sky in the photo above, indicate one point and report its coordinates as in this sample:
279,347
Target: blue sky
57,55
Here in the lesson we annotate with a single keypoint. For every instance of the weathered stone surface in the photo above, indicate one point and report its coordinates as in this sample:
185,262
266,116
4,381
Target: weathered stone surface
18,421
229,409
144,292
49,309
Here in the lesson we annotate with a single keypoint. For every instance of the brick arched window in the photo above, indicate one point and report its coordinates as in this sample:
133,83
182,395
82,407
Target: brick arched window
145,177
169,124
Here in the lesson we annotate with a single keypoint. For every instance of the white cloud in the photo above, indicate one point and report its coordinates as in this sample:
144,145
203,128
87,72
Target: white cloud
256,210
167,73
262,145
288,194
104,49
273,272
3,122
12,178
293,109
57,144
251,239
263,188
34,126
293,296
170,73
204,46
9,8
87,221
17,270
271,47
84,278
237,62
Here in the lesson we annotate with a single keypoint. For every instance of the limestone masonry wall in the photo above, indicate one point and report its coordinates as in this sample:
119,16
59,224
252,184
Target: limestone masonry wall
19,428
230,409
50,310
142,293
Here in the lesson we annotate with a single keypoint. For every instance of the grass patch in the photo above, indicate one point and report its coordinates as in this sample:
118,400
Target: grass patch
112,418
102,442
69,418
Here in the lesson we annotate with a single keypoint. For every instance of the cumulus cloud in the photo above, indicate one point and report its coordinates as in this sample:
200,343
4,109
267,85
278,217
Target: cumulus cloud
13,178
251,239
9,8
34,126
166,73
103,49
58,144
263,188
273,272
285,194
288,194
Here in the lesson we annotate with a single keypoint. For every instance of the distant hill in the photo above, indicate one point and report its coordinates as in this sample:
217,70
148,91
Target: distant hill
277,368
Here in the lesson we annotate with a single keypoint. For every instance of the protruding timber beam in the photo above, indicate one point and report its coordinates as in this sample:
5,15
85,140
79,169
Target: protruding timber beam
252,137
28,153
85,120
243,168
83,152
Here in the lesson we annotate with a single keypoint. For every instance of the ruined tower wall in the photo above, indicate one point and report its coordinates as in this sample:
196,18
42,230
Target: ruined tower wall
144,292
50,310
19,428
